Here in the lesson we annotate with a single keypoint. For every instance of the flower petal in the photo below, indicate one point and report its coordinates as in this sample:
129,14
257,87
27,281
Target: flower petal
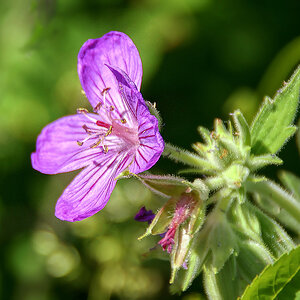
57,150
91,189
151,144
115,49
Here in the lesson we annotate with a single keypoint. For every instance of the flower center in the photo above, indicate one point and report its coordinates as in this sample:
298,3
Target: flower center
113,127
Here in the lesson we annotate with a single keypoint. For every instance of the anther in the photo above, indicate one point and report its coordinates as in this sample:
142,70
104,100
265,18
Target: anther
123,121
105,148
97,107
105,90
96,144
79,143
108,131
111,108
82,110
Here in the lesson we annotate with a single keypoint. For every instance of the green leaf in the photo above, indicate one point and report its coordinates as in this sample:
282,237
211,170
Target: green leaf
272,125
276,194
276,281
298,143
291,182
276,211
272,234
237,272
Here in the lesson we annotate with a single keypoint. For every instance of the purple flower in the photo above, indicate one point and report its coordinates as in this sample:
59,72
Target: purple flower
144,215
121,133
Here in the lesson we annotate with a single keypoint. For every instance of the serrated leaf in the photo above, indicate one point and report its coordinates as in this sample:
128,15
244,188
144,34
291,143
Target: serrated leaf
274,279
272,125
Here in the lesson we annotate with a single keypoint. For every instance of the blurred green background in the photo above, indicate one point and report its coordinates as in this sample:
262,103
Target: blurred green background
202,59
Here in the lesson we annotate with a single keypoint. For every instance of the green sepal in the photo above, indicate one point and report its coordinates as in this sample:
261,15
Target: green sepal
153,110
271,127
277,281
199,186
162,219
212,246
242,128
235,175
184,238
205,134
165,186
187,158
255,163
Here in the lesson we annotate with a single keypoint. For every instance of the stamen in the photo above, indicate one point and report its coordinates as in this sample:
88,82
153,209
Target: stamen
102,124
123,121
85,112
97,143
105,148
111,108
82,110
108,131
88,130
97,107
80,143
104,92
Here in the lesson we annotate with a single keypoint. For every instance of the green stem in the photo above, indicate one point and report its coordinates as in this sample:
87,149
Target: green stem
186,157
275,193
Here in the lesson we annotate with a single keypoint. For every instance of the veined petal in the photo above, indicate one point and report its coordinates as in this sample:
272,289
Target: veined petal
114,49
151,144
130,97
57,150
91,189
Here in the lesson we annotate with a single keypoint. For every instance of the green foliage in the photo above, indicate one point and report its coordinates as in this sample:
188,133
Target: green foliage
237,239
291,182
185,72
271,127
277,281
